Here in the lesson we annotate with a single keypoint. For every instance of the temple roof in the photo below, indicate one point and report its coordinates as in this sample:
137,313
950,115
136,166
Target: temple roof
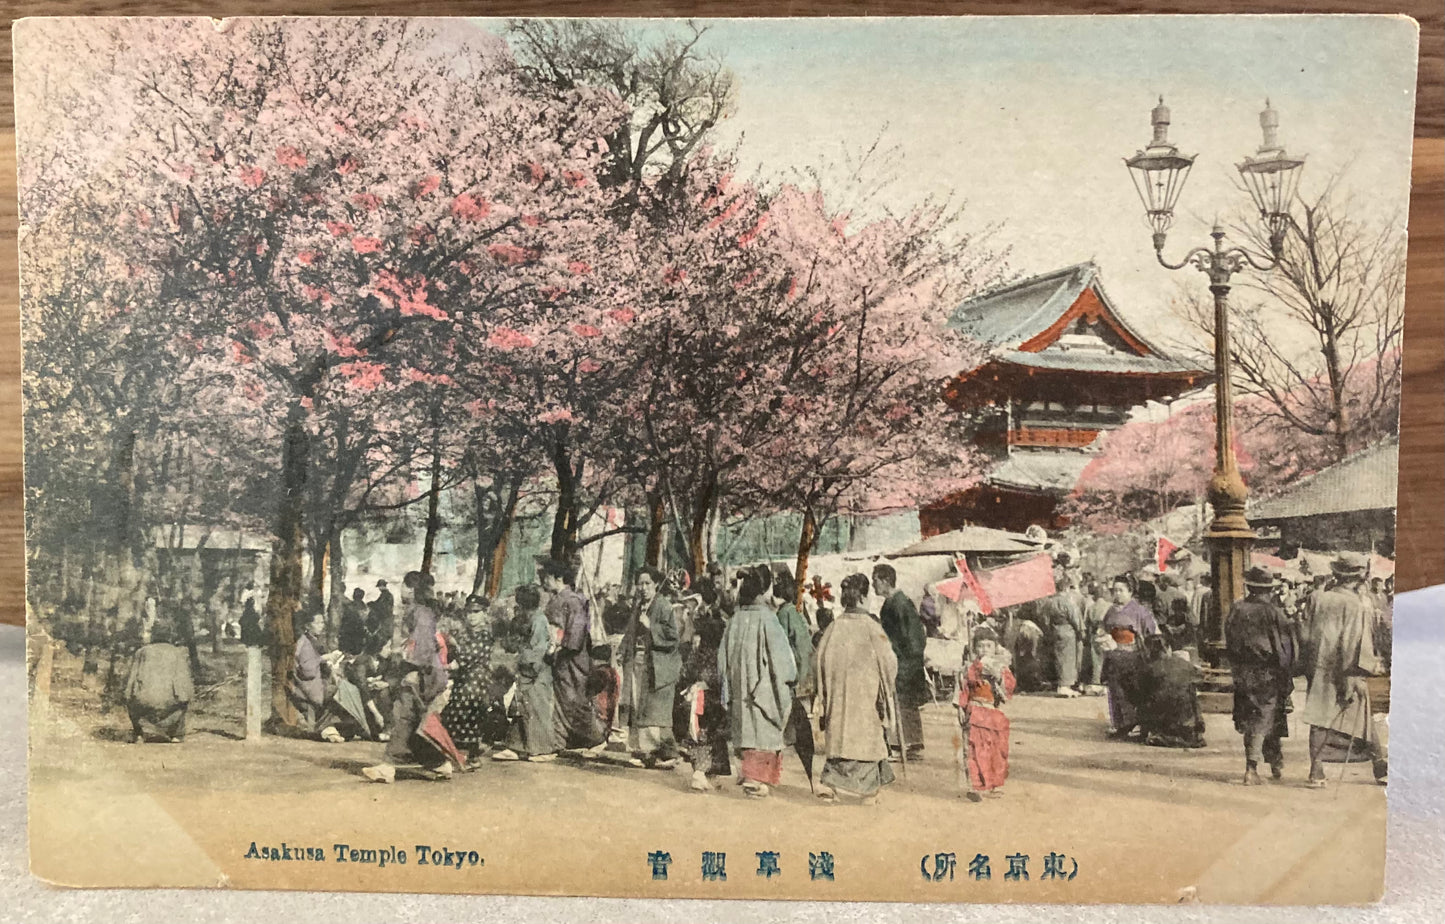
1366,480
1028,323
1048,470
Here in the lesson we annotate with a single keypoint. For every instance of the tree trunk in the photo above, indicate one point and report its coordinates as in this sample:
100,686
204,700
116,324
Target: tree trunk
806,538
492,539
697,529
433,501
564,524
656,530
284,594
1337,392
316,592
336,593
127,536
498,564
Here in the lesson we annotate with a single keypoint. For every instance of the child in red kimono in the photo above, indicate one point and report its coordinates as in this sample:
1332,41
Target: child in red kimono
988,684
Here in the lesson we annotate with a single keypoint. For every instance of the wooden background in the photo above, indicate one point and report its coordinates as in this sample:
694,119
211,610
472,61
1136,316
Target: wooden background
1421,542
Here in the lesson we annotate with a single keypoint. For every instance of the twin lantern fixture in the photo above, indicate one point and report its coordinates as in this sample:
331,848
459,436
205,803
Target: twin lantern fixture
1271,176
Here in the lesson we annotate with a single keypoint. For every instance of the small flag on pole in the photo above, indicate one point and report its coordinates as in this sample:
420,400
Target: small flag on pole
974,587
1162,551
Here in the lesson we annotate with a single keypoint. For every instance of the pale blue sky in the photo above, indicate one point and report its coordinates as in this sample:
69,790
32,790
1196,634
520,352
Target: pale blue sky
1029,118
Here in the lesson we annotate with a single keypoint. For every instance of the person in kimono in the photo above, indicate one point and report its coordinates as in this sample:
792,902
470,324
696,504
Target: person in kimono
159,690
351,636
578,725
988,684
1260,644
758,669
380,620
1168,697
328,705
423,679
1127,623
651,667
901,621
1064,616
800,639
466,714
856,676
705,724
533,731
1339,653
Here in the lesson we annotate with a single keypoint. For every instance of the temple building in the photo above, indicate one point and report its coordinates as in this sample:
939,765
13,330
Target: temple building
1063,366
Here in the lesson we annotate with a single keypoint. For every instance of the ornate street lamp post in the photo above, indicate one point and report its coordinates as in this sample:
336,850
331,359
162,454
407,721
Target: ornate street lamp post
1271,176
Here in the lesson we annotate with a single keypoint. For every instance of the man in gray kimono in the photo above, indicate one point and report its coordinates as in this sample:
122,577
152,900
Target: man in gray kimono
577,723
856,673
652,663
160,688
1338,654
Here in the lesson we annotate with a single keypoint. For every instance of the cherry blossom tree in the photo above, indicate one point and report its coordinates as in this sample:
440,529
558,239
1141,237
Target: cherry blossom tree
330,195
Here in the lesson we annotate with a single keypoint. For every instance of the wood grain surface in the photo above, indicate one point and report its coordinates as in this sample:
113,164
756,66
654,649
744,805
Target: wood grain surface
1421,540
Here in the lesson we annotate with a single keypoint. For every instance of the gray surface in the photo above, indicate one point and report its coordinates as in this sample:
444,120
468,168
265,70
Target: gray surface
1415,885
1055,470
1364,481
1009,315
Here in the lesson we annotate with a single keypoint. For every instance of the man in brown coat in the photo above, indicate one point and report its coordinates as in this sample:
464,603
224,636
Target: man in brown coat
1339,653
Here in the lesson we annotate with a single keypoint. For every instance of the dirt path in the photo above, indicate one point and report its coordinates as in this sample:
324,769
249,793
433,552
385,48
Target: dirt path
1142,823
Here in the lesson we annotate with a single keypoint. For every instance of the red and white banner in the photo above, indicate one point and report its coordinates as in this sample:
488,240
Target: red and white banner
1162,551
1021,582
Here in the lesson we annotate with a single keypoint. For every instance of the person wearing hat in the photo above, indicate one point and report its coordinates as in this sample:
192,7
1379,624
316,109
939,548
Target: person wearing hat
1260,644
1339,653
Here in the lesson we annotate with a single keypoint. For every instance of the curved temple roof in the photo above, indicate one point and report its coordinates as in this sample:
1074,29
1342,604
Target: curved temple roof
1023,321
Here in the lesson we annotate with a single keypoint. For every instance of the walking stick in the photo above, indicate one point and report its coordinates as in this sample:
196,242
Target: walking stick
898,730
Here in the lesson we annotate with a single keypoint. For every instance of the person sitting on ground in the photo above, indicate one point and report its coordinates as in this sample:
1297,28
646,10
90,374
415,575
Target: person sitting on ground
159,691
1168,704
319,713
423,679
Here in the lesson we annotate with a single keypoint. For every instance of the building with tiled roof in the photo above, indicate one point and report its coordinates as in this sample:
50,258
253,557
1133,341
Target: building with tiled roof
1063,366
1350,505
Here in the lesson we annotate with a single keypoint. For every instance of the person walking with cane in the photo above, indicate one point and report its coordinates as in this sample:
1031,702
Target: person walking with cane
1339,653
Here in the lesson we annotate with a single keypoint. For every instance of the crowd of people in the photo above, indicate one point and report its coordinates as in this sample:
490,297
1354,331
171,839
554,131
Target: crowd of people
725,671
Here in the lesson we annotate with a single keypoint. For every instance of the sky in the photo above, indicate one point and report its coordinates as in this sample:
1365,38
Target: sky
1028,119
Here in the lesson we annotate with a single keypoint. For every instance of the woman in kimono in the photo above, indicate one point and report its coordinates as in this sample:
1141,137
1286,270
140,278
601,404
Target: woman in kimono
758,669
1127,622
705,720
987,685
470,649
532,730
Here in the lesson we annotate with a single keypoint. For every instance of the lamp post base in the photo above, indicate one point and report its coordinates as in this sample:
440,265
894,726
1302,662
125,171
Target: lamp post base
1228,558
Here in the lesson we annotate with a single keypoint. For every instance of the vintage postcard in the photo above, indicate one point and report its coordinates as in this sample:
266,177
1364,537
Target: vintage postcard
933,459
